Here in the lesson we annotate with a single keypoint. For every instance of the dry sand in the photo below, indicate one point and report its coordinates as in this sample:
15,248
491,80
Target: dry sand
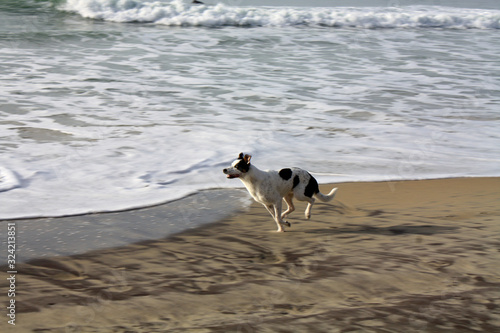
412,256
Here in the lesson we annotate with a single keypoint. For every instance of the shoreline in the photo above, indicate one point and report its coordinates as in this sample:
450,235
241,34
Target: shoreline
323,178
383,256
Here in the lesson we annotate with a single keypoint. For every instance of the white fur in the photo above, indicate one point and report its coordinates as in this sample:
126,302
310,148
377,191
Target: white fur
269,188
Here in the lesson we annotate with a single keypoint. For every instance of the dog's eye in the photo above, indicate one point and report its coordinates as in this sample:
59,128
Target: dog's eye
241,166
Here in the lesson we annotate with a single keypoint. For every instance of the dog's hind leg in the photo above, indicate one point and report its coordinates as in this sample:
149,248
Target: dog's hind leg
310,203
289,202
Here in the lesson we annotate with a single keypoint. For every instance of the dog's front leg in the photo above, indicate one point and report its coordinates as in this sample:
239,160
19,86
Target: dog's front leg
270,209
277,217
289,203
275,211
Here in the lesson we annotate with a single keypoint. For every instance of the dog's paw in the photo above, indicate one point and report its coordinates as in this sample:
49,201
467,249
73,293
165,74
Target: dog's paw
288,224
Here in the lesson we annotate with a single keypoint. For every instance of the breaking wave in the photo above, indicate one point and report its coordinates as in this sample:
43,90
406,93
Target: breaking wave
178,13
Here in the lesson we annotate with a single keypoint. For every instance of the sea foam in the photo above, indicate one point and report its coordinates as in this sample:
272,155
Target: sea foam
8,180
178,13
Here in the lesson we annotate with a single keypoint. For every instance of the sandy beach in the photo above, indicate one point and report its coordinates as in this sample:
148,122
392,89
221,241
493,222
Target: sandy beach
409,256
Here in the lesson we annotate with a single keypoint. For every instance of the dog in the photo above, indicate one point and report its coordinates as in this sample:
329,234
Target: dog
270,187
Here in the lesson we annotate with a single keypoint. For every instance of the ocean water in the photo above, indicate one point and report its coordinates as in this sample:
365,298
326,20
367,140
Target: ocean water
108,105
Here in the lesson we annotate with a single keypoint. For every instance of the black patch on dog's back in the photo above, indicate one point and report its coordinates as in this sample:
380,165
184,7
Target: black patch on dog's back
312,187
296,181
285,173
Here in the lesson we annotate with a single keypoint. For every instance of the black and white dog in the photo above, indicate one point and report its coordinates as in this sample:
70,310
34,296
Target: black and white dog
271,187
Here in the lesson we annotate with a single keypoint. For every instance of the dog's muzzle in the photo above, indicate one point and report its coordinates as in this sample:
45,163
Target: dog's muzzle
229,175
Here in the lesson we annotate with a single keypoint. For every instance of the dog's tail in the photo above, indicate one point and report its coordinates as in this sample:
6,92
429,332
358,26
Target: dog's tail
326,197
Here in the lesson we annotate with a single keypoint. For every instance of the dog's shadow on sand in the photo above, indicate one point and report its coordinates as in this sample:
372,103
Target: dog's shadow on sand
394,230
389,231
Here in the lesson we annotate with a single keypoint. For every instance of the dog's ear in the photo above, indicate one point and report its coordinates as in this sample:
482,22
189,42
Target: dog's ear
240,156
247,158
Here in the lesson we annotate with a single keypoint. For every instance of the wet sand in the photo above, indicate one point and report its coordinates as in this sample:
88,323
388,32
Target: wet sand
411,256
68,235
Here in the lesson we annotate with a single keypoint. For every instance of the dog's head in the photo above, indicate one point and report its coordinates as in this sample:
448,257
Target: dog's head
239,167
